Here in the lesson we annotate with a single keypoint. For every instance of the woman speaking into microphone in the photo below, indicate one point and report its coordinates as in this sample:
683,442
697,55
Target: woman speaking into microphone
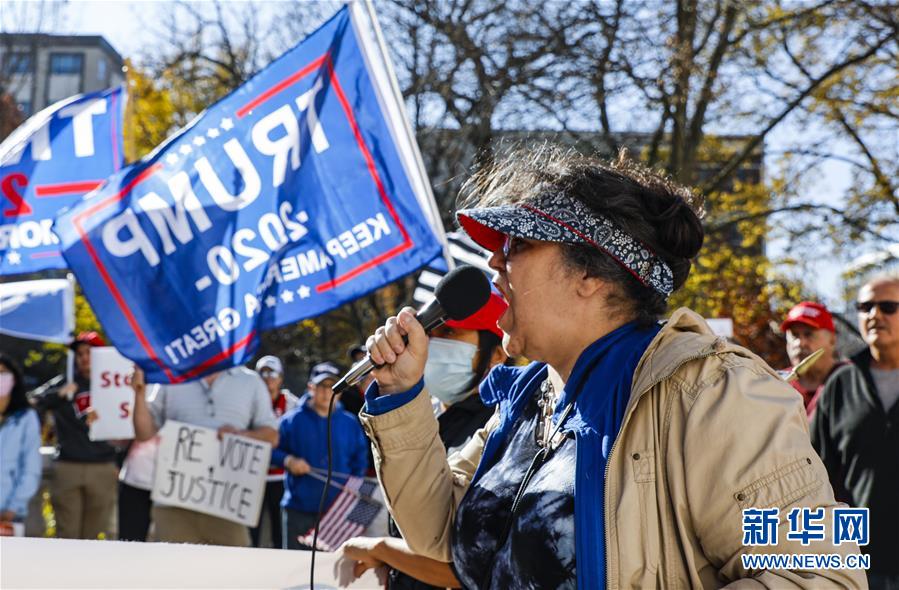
625,454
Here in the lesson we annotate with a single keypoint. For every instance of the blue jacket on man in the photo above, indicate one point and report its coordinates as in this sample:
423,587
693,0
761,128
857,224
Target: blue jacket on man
303,434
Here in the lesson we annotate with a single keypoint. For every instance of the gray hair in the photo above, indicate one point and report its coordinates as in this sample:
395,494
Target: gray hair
889,277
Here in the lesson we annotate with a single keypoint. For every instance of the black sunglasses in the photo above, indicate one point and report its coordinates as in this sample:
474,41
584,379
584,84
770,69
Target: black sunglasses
887,307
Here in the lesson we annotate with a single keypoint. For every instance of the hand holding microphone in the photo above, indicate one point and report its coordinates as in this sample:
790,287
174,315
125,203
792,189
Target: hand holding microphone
398,350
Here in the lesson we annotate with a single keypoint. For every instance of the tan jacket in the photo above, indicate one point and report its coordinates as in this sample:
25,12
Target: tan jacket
709,431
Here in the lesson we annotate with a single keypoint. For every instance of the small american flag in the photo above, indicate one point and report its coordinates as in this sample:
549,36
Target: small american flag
352,511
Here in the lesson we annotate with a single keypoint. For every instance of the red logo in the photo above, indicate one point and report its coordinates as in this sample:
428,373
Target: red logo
82,402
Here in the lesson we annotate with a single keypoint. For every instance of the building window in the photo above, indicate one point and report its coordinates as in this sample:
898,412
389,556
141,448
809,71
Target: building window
64,77
101,70
17,63
65,63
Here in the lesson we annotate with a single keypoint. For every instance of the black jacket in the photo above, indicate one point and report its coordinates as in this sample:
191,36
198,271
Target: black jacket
71,428
461,420
858,441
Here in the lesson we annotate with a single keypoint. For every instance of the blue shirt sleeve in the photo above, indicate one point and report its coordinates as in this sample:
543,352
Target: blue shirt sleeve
29,476
377,404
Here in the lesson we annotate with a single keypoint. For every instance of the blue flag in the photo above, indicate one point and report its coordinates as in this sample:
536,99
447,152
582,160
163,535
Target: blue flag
49,163
40,310
296,193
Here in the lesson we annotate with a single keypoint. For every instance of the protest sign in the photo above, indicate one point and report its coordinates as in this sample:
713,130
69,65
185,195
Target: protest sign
111,395
197,471
296,193
723,327
47,164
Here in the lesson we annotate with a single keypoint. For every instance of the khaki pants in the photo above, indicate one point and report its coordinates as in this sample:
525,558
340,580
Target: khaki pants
84,498
177,525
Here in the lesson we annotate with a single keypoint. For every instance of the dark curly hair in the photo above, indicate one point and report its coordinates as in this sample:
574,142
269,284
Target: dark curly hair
647,205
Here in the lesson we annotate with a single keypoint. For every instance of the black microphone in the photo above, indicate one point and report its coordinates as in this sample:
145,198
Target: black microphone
459,294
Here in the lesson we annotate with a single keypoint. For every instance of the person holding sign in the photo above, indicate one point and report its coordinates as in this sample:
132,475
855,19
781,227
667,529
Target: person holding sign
86,476
235,400
303,451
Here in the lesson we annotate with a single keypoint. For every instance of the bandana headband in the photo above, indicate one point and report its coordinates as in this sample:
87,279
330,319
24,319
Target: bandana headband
567,220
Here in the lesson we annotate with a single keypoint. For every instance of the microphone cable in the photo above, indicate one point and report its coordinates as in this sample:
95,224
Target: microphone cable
324,496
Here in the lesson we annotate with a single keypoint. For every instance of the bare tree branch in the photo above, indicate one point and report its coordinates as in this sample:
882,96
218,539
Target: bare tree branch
717,182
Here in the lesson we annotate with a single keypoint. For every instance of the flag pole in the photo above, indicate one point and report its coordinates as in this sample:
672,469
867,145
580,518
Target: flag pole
398,96
70,355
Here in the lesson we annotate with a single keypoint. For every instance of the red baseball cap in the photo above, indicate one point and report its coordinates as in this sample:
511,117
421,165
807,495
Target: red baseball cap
485,318
811,314
91,338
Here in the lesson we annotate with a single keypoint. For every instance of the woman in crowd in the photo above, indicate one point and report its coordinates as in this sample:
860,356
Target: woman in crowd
460,354
20,443
626,452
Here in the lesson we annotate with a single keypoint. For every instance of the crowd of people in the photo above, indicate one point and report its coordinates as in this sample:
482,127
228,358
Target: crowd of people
90,480
486,462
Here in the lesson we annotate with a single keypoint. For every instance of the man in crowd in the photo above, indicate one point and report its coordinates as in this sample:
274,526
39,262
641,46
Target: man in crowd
235,400
85,478
272,372
856,427
809,327
303,452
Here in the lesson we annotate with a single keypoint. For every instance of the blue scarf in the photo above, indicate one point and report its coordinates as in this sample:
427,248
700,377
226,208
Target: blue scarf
600,387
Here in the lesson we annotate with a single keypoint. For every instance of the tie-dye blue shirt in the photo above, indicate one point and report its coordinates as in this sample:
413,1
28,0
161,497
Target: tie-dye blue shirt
561,514
539,552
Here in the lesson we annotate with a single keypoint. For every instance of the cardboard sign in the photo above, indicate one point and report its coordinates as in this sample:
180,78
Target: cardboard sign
197,471
111,395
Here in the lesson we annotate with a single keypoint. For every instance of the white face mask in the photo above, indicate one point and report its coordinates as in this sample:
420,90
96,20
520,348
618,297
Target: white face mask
448,372
6,382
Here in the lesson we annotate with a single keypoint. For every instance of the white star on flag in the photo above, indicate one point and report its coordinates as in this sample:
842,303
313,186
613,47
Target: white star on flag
270,301
227,125
185,149
14,257
303,292
212,133
198,140
287,296
172,159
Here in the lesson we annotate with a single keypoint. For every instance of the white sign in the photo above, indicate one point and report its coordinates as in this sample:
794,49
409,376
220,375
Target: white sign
120,564
197,471
111,395
723,327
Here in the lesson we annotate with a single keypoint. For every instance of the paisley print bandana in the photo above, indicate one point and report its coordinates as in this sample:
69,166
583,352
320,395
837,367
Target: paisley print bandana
560,218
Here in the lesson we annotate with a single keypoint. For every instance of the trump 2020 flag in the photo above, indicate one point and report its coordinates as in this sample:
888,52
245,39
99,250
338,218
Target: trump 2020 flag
294,194
49,163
